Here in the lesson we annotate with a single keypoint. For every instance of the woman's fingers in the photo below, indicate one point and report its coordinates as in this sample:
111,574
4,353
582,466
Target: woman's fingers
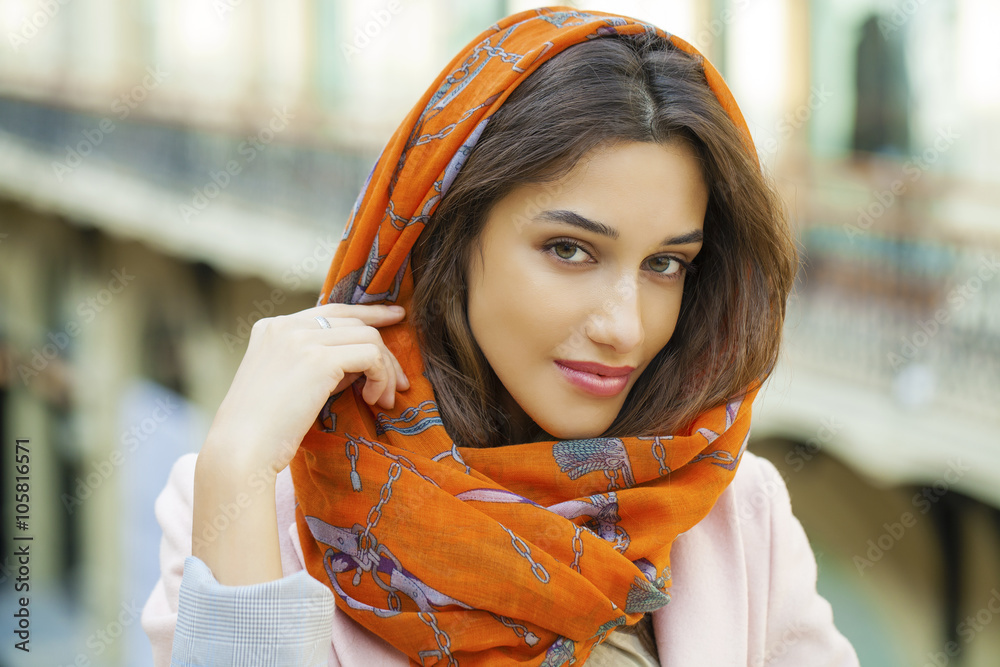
388,399
384,375
404,381
366,358
371,314
345,330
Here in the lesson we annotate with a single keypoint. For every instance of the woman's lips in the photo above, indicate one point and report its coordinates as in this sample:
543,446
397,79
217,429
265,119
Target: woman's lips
598,385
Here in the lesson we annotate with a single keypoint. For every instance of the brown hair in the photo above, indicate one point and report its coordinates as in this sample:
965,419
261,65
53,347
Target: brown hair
609,90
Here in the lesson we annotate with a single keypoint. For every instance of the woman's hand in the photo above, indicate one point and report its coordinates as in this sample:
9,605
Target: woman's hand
291,368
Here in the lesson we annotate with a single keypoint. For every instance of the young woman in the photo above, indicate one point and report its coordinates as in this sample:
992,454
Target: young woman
541,458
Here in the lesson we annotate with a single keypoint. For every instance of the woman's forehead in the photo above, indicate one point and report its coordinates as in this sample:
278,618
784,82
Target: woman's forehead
637,186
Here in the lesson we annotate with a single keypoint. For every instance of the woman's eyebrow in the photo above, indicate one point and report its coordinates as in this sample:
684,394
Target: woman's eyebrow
577,220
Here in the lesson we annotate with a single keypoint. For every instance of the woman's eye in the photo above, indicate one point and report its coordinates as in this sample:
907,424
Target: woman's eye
566,250
665,265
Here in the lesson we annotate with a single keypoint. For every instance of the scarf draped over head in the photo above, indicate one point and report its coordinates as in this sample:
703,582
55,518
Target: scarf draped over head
529,553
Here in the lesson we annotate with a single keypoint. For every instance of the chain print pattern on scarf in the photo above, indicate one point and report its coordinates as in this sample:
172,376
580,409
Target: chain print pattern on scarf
358,549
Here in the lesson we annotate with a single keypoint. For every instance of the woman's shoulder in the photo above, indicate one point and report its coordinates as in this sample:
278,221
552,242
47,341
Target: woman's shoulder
748,566
737,535
751,519
754,472
758,492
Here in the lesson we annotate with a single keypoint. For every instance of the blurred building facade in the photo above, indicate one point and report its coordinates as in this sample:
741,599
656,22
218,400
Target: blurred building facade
172,171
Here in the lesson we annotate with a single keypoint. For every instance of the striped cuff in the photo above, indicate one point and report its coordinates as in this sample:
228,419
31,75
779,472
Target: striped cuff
283,622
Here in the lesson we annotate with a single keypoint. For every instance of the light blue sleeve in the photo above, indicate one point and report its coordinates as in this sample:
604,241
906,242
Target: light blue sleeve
285,622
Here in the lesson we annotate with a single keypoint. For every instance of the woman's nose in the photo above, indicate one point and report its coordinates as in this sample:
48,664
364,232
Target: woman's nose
617,320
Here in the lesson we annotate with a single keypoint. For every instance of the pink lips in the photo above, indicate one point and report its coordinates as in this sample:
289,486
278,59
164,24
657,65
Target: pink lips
595,378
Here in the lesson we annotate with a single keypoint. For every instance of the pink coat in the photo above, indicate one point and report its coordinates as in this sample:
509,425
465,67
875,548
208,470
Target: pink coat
743,593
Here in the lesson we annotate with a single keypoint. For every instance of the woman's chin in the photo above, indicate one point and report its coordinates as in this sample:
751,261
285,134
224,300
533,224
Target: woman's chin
575,430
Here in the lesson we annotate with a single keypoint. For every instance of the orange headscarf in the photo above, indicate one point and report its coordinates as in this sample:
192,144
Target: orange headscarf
529,553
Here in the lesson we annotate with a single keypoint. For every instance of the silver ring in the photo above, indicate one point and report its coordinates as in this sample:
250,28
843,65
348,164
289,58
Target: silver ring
323,322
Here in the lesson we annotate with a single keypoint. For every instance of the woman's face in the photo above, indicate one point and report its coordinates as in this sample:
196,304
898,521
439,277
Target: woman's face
578,283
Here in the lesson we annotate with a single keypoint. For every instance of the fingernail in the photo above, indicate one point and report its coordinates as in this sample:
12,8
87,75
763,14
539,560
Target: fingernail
396,309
